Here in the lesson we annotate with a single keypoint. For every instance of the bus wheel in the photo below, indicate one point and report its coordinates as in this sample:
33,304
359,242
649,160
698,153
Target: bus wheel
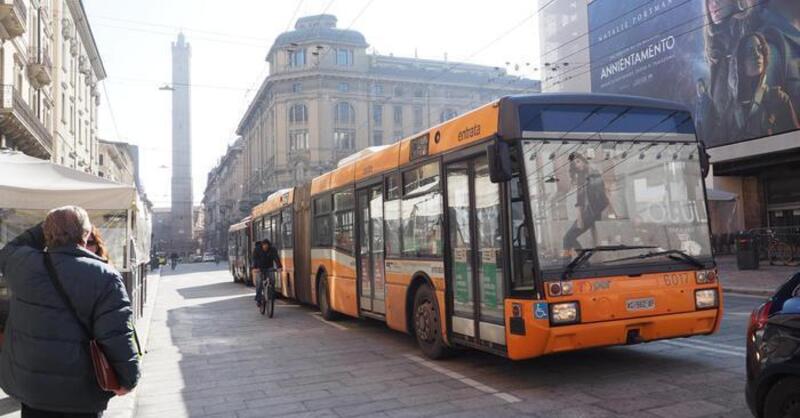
322,297
427,326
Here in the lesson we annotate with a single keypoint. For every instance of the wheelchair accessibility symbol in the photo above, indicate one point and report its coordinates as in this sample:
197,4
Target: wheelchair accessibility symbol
540,310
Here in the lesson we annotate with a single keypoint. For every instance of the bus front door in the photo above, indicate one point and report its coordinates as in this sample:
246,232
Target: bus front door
475,251
369,252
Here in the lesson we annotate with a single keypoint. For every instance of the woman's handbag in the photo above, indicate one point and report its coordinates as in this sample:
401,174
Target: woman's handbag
105,374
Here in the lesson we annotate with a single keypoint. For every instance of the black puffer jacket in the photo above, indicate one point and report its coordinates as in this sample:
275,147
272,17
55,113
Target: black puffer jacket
45,361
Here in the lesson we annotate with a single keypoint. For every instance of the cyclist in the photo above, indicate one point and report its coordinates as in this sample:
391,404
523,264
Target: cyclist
265,261
174,260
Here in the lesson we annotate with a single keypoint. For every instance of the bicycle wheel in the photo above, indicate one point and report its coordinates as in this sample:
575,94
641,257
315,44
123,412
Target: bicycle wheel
263,307
270,301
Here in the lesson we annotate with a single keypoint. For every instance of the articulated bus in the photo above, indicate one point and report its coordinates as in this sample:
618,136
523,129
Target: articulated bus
531,225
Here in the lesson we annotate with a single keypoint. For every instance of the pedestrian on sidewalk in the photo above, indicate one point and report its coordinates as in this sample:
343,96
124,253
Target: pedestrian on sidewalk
45,363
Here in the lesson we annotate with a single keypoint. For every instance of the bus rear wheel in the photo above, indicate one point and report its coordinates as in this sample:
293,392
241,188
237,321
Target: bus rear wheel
427,324
323,299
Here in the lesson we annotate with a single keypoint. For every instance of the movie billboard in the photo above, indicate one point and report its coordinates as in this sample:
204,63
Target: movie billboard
735,63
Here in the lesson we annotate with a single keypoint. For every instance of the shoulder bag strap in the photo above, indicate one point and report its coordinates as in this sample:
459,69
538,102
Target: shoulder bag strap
48,262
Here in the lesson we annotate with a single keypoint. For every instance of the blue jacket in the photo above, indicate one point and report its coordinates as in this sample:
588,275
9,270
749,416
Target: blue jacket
45,361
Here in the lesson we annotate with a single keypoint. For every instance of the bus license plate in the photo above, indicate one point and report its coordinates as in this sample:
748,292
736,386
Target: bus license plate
643,304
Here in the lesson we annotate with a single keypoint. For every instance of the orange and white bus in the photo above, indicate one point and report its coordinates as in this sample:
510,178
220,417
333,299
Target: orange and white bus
531,225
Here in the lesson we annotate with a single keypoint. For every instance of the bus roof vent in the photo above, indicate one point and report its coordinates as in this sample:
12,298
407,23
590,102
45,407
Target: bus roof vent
363,153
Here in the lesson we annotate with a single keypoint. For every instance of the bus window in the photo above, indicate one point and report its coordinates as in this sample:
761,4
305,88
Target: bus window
391,213
490,243
344,218
640,193
275,235
421,212
520,241
323,229
286,229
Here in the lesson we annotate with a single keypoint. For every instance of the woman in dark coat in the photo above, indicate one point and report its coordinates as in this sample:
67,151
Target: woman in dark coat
45,362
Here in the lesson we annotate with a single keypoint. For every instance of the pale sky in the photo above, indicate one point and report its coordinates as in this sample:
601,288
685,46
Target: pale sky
230,41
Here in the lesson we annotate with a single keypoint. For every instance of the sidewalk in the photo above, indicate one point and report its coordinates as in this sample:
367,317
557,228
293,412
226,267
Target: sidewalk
761,282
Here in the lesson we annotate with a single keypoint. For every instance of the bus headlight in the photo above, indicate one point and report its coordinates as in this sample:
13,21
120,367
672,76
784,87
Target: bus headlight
564,313
706,298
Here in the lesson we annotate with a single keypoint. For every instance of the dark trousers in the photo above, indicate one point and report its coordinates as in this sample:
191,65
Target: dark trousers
28,412
571,237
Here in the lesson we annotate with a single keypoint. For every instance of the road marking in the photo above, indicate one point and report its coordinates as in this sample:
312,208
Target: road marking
705,348
712,344
463,379
738,313
743,295
318,317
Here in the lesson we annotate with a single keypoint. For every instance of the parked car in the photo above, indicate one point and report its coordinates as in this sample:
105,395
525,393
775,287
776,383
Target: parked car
196,258
209,257
773,354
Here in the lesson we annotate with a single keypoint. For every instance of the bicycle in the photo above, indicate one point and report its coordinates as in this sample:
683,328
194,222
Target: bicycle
268,293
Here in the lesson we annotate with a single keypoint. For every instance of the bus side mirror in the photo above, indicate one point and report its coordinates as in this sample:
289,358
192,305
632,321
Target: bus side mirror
499,154
705,164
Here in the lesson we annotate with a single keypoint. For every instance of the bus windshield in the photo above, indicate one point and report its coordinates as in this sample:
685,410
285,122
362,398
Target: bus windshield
587,194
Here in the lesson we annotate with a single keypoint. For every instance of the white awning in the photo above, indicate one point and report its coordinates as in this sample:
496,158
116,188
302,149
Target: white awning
31,183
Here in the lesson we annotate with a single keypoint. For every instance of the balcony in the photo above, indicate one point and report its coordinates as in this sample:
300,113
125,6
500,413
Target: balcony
297,155
40,68
19,124
13,17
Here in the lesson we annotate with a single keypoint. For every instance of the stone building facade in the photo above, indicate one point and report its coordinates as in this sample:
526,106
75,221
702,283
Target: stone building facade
117,161
326,97
222,199
50,72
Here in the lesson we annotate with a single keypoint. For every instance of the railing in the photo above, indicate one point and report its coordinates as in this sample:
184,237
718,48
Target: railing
779,245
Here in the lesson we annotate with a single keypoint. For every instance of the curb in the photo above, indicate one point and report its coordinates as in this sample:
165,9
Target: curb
125,407
748,291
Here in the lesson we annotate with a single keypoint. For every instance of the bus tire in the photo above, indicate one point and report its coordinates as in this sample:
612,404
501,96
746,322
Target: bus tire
427,326
323,299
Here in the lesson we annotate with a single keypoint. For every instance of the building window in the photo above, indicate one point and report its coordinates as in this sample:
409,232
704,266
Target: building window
397,135
398,91
344,139
377,138
398,115
298,140
100,159
419,93
344,113
298,114
377,89
297,88
447,114
377,114
417,117
343,87
297,58
344,57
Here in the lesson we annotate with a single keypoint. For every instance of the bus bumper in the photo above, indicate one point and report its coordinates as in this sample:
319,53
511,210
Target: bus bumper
538,337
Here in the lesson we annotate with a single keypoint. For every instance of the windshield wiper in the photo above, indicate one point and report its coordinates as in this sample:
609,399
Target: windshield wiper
584,254
677,255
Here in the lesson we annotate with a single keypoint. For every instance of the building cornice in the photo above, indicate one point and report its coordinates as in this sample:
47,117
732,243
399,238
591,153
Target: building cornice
83,28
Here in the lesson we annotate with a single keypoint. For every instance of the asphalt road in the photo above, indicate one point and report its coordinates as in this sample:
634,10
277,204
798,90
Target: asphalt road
211,354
